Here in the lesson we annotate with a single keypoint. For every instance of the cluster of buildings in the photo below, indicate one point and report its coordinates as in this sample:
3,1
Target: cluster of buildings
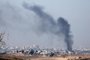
31,51
36,51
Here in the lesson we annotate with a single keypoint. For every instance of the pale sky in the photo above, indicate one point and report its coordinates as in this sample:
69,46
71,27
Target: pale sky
77,12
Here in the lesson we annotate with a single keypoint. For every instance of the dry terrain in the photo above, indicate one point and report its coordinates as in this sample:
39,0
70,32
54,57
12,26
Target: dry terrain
70,57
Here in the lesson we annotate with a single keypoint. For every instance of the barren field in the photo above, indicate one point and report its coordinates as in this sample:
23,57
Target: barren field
70,57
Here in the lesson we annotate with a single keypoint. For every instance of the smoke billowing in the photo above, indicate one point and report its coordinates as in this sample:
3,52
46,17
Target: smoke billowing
27,23
49,24
65,29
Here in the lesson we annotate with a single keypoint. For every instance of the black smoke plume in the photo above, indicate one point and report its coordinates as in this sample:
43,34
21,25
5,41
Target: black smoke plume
48,24
65,29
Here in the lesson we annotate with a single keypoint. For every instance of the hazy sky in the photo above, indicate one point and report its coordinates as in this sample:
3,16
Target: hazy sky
77,12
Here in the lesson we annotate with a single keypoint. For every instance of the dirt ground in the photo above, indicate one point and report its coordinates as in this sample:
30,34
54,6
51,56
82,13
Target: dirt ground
70,57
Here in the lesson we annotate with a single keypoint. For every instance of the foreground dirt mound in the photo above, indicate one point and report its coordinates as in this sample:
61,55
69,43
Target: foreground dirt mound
10,59
24,57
